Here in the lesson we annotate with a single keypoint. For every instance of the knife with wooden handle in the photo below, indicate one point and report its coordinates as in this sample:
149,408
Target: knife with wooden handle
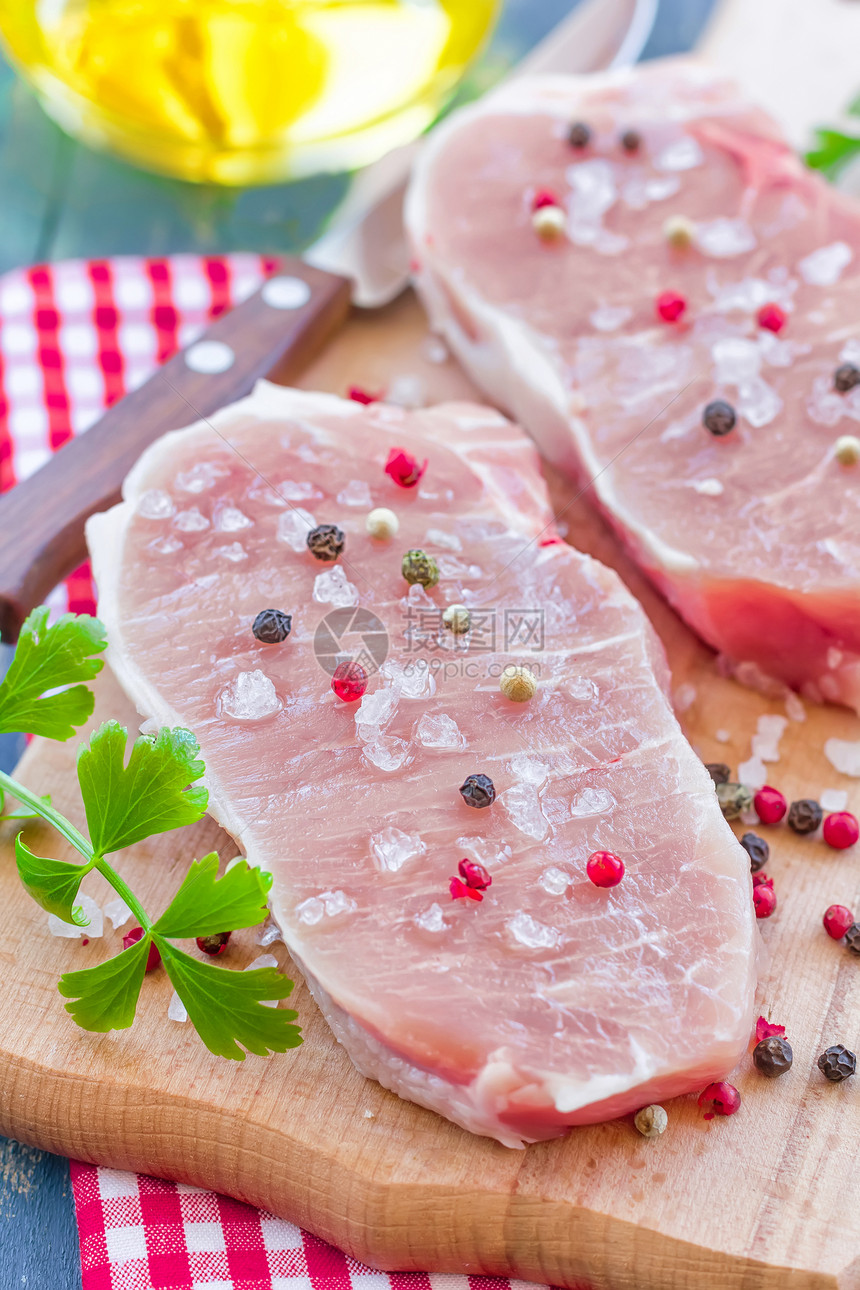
274,334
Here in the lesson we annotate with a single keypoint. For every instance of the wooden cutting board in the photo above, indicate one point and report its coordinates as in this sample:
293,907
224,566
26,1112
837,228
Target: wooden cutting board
769,1198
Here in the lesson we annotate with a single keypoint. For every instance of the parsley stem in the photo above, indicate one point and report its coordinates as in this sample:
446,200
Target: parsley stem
78,841
122,889
47,812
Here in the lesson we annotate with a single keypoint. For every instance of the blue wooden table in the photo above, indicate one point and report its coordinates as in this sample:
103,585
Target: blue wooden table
58,199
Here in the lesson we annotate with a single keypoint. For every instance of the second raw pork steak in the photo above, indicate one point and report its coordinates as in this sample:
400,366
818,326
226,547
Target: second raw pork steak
550,1002
691,259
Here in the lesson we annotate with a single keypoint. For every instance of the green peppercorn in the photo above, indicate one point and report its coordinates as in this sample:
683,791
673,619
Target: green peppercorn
757,850
734,799
418,566
773,1056
837,1063
719,772
326,541
805,816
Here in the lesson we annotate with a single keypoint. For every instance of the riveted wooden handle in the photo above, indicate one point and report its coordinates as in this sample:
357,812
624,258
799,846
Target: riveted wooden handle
274,333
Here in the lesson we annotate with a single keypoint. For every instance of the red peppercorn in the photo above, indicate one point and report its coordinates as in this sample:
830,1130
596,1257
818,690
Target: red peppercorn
403,468
215,944
770,805
765,1029
670,306
764,896
358,395
837,920
841,830
605,869
544,197
473,881
349,681
723,1098
772,318
153,958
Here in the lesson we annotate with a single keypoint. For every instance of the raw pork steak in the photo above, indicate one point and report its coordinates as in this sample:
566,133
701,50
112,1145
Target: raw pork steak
755,536
551,1002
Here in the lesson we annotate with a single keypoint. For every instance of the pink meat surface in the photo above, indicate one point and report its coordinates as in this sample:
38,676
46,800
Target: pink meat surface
551,1002
754,537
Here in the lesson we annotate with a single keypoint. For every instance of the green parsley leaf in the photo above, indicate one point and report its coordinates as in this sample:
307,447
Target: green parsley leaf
105,997
126,804
224,1006
48,658
206,904
53,884
833,152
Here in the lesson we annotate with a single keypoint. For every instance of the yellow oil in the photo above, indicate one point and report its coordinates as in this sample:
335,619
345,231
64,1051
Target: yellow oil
244,91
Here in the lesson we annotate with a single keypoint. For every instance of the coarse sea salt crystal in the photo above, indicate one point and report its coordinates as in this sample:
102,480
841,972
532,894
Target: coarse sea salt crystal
269,934
708,487
485,850
823,268
680,154
413,680
765,742
438,537
529,932
191,521
392,848
735,360
794,707
724,238
825,406
434,349
262,961
328,904
753,773
176,1009
757,402
844,756
722,736
250,697
166,546
90,910
833,799
432,919
531,770
356,493
155,505
234,552
610,317
439,731
555,881
406,391
118,912
684,697
592,801
387,753
294,526
293,490
521,804
583,689
376,709
229,519
200,477
331,587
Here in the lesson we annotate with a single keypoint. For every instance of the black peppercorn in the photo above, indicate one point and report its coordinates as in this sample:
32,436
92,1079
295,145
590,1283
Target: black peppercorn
852,938
734,799
214,944
631,140
719,772
719,417
837,1063
271,626
773,1056
579,135
478,791
326,541
804,816
757,850
846,377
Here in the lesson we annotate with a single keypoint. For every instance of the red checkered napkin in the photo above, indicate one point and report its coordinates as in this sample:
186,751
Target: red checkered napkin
75,337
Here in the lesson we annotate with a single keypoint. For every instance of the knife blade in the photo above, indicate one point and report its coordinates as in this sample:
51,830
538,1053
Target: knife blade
274,333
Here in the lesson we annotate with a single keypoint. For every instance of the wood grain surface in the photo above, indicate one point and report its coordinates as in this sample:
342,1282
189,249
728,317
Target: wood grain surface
769,1198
